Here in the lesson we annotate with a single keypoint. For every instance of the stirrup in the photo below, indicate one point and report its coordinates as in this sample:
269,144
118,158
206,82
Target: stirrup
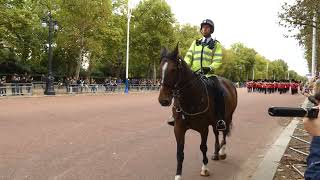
221,125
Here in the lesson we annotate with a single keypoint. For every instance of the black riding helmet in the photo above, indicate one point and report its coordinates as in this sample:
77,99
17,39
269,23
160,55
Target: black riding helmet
208,22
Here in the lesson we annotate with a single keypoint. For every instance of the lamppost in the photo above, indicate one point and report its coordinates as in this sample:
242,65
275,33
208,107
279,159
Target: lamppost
126,90
53,25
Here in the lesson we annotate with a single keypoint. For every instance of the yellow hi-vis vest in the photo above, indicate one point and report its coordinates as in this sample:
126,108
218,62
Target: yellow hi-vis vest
210,57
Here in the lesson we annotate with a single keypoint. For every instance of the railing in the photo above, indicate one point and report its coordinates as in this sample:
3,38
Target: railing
29,89
16,90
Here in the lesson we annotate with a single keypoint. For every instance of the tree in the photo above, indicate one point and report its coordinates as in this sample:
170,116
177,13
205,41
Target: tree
279,68
83,23
245,56
261,67
114,40
298,18
152,28
185,34
299,14
18,32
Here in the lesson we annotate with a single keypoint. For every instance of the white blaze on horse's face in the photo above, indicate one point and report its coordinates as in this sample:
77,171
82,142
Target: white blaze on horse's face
164,70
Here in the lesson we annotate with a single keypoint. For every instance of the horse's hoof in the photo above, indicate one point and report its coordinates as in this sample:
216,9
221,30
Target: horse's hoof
205,173
222,157
215,157
177,177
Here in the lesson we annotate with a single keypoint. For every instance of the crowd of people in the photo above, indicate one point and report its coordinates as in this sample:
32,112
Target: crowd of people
20,84
16,83
272,86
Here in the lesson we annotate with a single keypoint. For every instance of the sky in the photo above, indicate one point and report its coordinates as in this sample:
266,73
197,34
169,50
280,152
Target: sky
251,22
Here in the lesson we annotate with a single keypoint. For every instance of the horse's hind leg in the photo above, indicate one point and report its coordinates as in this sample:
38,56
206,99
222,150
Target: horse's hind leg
217,144
223,144
204,148
222,151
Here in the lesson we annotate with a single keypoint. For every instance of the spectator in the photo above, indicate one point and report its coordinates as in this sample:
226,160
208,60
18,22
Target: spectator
312,126
29,84
3,90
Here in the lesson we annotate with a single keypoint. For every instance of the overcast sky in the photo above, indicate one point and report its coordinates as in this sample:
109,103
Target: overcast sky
251,22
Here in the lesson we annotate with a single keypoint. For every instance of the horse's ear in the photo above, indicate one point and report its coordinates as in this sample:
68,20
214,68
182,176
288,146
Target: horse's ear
163,52
176,50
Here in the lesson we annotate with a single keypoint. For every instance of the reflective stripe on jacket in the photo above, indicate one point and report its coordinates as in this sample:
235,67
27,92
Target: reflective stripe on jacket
210,57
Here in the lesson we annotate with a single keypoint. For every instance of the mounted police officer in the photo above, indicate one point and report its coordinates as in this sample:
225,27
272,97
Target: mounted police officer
205,54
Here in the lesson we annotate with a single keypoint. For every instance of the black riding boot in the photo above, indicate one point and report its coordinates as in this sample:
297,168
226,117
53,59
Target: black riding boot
219,104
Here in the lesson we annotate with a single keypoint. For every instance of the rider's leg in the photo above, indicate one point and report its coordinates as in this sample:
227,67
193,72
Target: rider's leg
219,104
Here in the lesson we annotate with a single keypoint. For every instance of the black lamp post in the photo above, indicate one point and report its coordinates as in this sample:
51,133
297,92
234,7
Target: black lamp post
53,25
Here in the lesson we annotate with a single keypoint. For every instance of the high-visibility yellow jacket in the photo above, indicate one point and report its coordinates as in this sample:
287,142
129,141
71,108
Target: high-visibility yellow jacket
210,53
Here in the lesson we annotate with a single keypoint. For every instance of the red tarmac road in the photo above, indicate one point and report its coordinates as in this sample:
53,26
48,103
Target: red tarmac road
125,137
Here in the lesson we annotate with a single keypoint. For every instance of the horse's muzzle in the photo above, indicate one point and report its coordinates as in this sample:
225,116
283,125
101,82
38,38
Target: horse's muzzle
165,102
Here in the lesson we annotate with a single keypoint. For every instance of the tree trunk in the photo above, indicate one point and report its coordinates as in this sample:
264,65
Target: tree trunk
76,76
118,71
79,62
154,71
89,71
149,71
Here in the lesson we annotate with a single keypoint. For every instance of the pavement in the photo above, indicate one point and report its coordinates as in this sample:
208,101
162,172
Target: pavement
125,137
268,166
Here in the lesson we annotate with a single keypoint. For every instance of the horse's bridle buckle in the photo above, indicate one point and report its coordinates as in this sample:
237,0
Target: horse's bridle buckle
175,93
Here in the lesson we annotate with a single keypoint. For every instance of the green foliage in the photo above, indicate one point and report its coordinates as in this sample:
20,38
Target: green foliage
185,35
297,17
152,28
97,31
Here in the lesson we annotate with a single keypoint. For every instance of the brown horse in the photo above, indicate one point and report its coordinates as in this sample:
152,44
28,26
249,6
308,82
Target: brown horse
194,106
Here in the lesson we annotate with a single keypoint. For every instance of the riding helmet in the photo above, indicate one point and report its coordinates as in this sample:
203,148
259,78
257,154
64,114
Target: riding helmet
208,22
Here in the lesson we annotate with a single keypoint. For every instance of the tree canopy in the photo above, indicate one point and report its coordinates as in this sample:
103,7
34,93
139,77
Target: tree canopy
298,18
91,39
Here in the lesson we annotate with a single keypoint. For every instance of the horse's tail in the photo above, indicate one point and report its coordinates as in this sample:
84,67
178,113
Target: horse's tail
229,129
233,88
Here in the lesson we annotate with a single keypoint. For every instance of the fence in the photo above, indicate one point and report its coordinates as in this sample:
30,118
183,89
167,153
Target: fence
16,89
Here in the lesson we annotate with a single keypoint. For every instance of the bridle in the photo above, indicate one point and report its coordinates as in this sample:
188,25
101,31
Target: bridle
177,89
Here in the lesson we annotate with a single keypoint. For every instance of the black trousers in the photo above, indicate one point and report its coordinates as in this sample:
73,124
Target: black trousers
218,95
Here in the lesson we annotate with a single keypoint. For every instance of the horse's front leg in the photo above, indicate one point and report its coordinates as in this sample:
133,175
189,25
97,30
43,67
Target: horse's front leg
217,144
204,148
180,138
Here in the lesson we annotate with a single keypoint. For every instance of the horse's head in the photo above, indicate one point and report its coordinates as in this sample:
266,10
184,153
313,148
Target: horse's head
170,70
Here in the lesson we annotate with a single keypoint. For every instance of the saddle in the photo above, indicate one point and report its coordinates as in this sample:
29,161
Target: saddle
213,86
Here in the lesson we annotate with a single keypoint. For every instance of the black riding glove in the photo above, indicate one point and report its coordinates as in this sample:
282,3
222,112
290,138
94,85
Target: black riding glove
206,70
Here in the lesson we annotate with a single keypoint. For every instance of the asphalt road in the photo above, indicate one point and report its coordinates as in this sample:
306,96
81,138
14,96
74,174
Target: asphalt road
125,137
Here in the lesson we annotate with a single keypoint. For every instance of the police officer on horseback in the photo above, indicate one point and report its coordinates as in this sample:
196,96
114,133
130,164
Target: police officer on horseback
205,56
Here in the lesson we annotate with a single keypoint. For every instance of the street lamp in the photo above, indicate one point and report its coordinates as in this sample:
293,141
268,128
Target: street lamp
126,90
53,25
